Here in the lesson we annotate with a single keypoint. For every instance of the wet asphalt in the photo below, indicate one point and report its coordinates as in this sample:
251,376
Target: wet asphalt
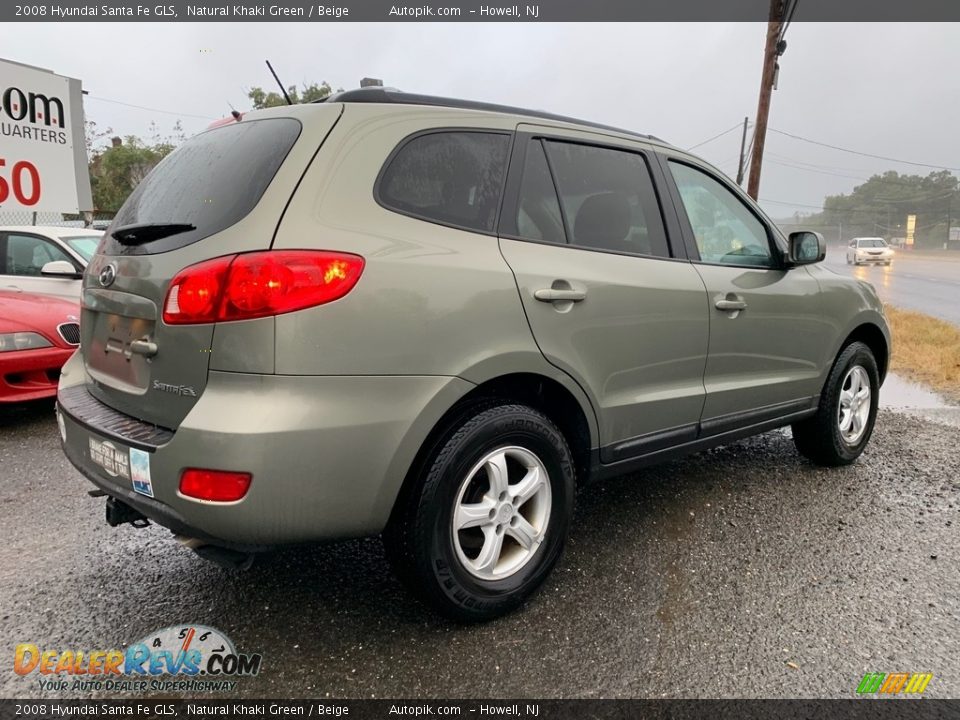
917,280
740,572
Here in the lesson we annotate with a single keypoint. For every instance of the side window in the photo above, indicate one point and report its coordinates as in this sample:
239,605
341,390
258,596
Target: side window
725,230
27,254
607,199
538,209
454,178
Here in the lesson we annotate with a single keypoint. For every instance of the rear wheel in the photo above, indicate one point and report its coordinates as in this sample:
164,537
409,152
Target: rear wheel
844,421
489,515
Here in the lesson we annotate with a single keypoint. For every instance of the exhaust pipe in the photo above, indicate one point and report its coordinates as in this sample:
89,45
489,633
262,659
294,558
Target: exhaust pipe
224,557
119,513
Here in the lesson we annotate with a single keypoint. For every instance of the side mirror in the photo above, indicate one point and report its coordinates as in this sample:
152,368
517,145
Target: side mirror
60,269
806,247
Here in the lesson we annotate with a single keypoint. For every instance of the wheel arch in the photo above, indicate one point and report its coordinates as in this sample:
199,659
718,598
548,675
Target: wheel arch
556,399
871,335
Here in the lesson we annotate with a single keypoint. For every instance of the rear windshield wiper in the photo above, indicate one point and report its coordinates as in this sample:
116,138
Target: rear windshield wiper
145,232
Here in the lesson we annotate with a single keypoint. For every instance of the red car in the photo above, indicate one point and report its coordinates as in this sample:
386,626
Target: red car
37,335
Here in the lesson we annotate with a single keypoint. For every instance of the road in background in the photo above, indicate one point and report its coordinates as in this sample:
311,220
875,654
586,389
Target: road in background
927,283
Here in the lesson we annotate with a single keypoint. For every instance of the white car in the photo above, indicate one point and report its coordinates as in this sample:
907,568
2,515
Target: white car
869,250
46,260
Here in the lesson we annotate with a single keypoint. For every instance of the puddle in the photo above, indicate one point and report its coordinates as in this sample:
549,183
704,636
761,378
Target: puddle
900,394
907,397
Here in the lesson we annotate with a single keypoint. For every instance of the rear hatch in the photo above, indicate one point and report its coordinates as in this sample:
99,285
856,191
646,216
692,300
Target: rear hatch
222,192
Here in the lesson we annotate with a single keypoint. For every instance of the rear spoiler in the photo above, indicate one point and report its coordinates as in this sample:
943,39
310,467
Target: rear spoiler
232,118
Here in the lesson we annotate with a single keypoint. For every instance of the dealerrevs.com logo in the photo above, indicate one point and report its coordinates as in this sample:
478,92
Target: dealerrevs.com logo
180,658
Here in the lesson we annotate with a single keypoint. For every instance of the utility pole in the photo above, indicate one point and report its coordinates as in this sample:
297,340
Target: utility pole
774,48
743,146
946,245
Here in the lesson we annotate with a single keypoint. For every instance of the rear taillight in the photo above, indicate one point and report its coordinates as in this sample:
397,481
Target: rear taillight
252,285
214,485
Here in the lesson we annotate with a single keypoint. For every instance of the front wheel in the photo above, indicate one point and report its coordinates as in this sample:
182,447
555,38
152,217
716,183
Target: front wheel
841,428
489,515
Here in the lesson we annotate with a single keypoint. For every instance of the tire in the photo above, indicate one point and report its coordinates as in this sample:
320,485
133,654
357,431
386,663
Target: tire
822,438
456,572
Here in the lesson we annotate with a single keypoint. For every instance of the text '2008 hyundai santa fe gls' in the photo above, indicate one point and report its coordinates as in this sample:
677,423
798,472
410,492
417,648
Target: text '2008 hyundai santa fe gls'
430,318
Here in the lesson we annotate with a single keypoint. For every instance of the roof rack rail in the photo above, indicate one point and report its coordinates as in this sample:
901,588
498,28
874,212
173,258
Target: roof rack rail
395,96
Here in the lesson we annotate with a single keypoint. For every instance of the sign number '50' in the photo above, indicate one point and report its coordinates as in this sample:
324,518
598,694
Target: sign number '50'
23,176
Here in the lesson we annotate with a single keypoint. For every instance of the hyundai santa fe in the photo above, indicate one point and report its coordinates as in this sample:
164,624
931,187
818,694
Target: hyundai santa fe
432,319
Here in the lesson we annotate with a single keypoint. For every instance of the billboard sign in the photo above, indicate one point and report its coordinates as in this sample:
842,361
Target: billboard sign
43,152
911,227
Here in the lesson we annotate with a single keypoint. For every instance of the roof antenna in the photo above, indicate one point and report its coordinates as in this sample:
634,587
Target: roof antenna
234,112
282,89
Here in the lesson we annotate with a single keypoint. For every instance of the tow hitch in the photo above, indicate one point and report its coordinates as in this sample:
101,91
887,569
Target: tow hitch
119,513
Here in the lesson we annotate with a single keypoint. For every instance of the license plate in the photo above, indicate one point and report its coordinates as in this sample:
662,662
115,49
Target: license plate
121,462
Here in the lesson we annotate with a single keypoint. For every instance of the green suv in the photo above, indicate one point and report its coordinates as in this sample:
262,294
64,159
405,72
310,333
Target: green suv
433,319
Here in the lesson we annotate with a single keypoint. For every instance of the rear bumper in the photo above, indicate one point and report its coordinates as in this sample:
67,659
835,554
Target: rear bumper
31,374
328,454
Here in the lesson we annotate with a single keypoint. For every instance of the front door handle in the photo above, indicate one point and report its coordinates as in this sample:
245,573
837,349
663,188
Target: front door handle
730,305
555,295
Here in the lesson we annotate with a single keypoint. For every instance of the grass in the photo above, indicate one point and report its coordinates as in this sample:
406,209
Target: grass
926,350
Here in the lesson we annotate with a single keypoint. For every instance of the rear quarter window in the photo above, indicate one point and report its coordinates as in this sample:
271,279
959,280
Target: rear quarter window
211,182
448,177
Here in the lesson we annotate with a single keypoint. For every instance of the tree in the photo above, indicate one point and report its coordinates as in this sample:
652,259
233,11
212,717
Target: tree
309,93
94,136
880,206
116,170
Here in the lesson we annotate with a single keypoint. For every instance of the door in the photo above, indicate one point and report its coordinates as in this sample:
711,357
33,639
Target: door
23,256
767,332
583,232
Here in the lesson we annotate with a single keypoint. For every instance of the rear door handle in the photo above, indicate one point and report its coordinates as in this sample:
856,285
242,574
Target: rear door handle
552,295
730,305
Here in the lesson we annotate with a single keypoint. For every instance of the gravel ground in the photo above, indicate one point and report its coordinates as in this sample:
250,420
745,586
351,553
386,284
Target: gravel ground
740,572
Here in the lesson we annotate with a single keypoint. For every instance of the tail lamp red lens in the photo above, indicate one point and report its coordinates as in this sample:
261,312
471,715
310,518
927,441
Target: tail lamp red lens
252,285
214,485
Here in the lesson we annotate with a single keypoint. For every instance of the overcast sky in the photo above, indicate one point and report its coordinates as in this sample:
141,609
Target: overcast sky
886,89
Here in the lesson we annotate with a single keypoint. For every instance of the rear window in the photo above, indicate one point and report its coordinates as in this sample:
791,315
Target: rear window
211,182
453,178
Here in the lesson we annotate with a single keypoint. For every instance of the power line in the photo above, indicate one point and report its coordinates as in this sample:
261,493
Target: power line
715,137
857,152
820,166
788,17
875,178
815,170
791,204
156,110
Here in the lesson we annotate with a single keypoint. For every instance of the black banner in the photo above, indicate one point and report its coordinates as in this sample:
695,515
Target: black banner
865,709
472,11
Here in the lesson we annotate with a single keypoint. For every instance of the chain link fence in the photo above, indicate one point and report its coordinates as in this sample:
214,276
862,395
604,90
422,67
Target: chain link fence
97,221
